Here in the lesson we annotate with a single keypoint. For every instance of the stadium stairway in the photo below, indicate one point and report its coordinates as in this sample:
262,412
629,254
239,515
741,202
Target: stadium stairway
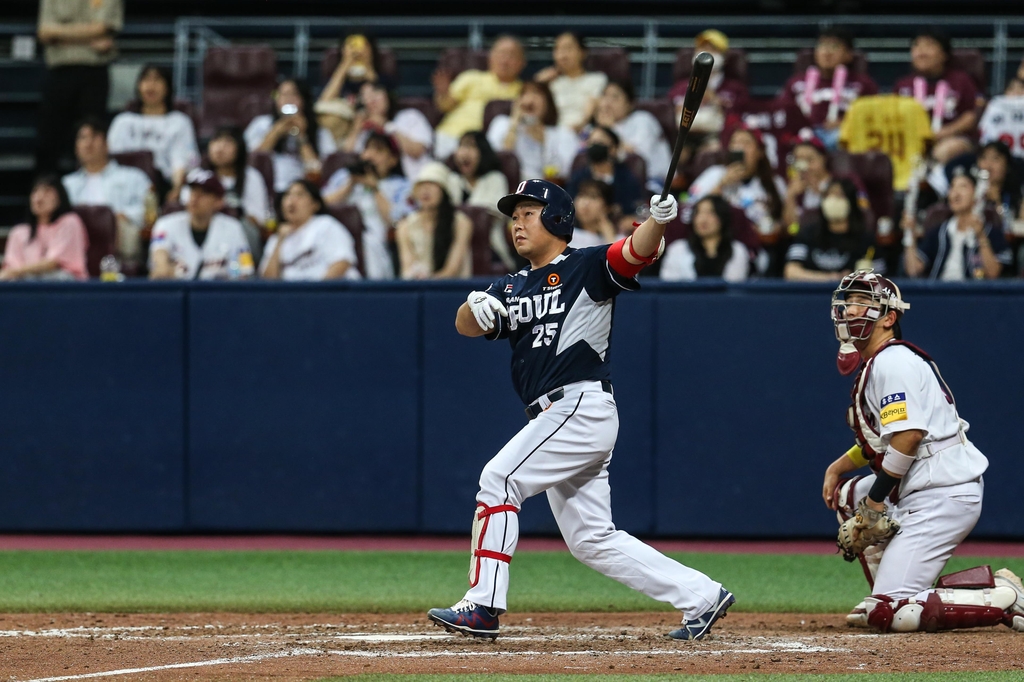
20,84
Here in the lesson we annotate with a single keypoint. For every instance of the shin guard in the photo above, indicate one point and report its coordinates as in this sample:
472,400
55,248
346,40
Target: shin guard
480,521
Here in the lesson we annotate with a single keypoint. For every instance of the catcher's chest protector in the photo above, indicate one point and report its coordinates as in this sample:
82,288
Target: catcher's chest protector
859,416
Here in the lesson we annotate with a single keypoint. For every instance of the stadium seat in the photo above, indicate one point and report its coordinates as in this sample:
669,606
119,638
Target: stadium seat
455,60
386,58
510,167
805,58
141,159
335,162
665,112
481,243
496,107
264,163
612,61
634,162
735,65
349,216
874,171
101,226
237,86
973,63
424,104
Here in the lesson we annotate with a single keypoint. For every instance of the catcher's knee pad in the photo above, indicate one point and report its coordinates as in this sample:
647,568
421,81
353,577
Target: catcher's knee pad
481,518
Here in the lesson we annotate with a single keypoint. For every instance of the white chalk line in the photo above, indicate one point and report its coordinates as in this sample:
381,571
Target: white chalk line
781,646
253,658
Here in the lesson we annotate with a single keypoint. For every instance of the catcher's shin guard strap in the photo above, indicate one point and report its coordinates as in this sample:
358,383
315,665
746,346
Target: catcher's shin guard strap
481,519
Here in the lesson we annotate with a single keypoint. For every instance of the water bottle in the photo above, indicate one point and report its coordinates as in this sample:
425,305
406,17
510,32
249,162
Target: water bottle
234,267
110,269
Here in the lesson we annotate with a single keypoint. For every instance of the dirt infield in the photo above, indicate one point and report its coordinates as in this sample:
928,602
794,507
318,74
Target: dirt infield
305,646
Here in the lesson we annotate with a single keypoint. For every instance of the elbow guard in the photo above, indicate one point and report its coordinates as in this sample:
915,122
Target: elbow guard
617,257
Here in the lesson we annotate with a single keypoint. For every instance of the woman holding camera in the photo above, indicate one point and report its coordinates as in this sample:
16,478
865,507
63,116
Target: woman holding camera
359,65
291,134
374,184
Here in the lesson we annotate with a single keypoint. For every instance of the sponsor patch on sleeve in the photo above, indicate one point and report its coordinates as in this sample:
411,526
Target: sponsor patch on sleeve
893,408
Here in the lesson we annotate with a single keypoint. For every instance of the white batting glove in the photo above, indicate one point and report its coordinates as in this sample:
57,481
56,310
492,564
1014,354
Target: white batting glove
664,211
483,306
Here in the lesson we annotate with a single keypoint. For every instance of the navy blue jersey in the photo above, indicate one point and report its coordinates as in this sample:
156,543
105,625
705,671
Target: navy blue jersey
559,320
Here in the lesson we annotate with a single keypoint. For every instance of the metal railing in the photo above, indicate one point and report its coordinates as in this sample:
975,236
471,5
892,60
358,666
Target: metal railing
650,41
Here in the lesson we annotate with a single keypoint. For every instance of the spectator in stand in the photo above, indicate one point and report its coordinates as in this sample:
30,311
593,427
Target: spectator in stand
833,243
948,95
709,250
963,247
544,148
1004,184
434,241
827,89
359,65
52,243
79,39
481,183
375,112
603,164
809,177
154,125
594,225
309,244
200,242
1004,118
747,183
336,116
102,181
723,96
292,134
376,185
575,89
463,100
245,191
638,131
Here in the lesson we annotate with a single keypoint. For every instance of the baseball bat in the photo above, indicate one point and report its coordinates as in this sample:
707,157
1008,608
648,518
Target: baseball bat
691,102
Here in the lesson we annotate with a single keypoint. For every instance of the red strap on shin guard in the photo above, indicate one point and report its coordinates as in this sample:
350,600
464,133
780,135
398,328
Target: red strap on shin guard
488,554
880,617
487,511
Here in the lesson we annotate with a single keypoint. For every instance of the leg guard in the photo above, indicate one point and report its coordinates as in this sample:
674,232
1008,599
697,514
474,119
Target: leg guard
879,611
870,558
979,576
938,614
480,520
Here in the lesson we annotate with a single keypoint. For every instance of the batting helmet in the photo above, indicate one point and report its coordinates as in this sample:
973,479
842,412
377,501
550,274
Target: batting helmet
882,294
558,215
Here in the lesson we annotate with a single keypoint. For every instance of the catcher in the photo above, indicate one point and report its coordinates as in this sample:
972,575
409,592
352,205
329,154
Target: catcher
908,431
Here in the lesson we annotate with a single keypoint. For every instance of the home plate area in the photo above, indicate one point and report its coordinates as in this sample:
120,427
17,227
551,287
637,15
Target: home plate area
308,646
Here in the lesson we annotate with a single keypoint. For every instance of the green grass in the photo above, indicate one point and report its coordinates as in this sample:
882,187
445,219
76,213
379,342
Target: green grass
389,582
1011,676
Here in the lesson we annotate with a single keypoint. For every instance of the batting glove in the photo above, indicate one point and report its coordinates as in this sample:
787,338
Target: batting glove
483,307
664,211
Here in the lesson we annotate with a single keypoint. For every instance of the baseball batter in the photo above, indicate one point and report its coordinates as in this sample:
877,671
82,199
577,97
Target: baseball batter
908,430
557,315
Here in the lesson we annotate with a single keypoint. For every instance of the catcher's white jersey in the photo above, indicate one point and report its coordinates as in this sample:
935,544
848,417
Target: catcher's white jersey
1004,120
903,392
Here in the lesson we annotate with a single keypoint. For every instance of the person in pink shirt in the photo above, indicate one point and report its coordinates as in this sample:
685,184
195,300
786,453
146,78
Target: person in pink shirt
52,244
950,96
828,87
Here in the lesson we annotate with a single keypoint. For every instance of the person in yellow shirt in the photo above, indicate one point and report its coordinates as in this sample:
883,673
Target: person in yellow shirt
895,125
463,100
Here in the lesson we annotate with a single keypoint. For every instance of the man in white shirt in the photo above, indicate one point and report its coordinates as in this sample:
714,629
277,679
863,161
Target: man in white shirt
101,181
199,242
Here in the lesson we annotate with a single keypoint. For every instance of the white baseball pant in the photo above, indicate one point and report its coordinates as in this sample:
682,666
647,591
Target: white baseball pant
566,451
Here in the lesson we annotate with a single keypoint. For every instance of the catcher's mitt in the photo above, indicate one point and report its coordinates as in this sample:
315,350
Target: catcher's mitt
862,530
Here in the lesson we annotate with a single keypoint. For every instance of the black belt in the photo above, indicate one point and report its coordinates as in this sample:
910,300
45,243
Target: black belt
534,408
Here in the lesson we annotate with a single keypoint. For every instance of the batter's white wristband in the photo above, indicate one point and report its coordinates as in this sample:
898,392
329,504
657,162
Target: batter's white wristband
896,462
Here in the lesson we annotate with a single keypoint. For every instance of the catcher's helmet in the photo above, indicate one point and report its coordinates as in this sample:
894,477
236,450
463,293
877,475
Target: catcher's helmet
883,296
558,215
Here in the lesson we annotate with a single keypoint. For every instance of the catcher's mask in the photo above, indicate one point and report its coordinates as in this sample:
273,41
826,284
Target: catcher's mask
876,296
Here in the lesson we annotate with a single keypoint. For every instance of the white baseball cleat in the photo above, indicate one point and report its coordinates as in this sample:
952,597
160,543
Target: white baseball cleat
1005,576
858,618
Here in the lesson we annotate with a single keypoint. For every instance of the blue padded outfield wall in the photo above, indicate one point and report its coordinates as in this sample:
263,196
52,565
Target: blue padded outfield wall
267,407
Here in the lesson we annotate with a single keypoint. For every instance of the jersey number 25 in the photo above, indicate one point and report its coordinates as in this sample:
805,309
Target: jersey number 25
544,334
